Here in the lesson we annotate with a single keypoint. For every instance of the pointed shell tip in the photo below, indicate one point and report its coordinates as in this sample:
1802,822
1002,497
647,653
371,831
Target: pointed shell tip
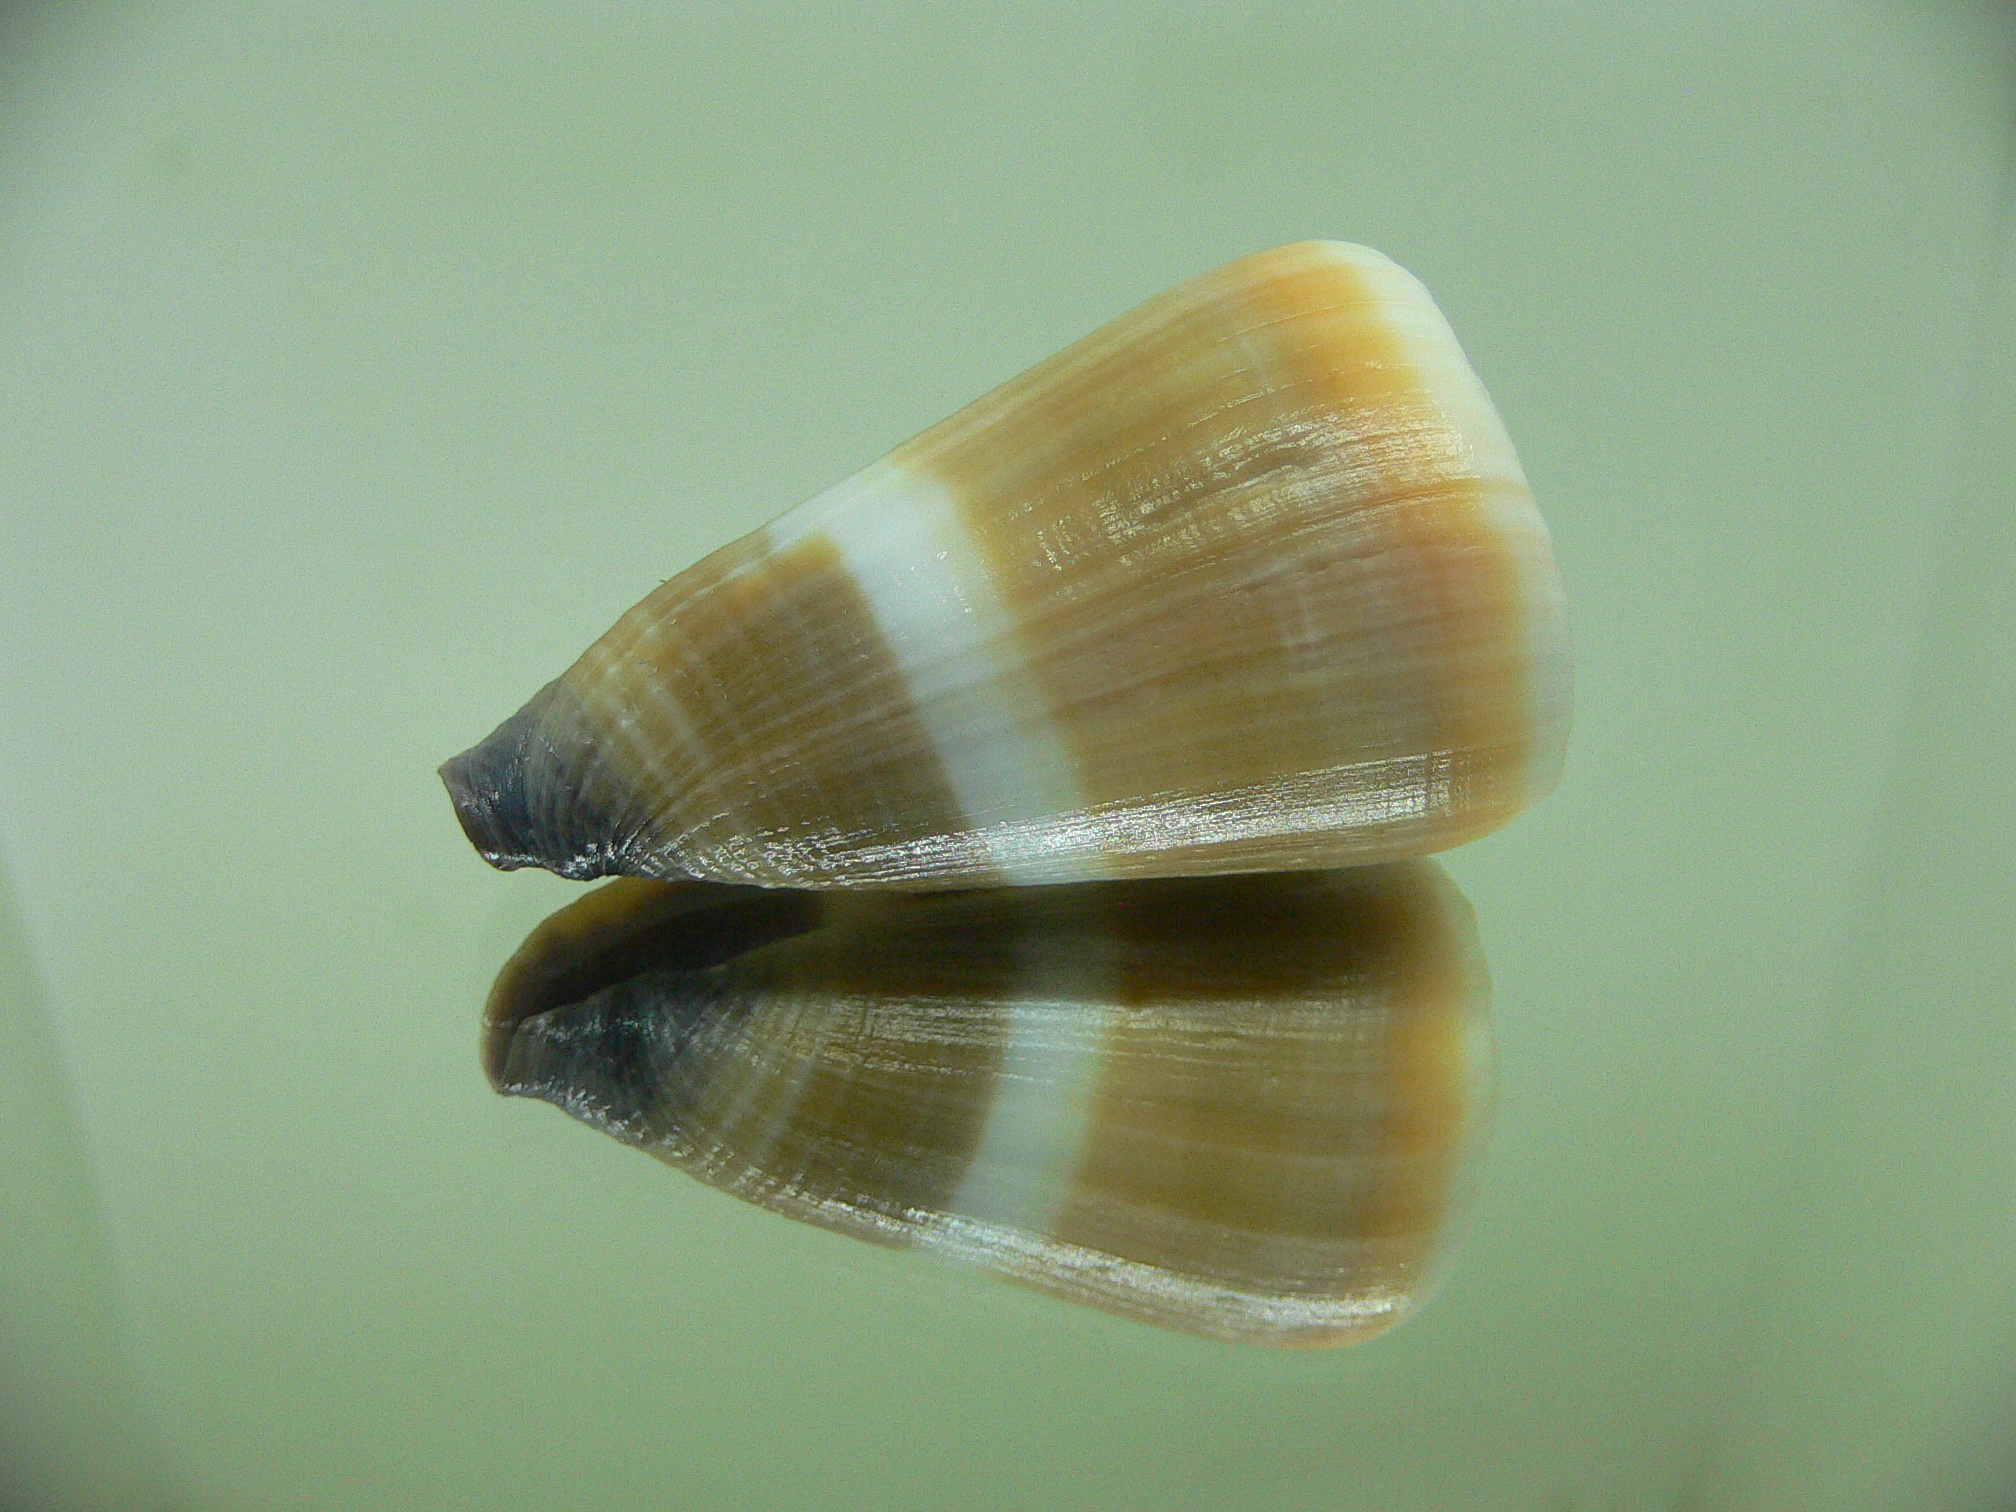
479,803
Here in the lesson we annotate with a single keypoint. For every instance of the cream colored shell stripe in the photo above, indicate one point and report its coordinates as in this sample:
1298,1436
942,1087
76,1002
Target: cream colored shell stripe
947,630
900,533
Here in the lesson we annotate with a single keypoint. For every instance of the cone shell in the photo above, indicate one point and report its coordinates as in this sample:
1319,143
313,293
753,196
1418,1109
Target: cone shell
1237,1106
1248,580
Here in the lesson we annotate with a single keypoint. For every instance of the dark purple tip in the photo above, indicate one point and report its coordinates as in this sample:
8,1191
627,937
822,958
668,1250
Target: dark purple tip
488,785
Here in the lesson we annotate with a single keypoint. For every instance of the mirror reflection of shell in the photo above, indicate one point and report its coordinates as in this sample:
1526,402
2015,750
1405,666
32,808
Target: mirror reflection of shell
1247,580
1237,1106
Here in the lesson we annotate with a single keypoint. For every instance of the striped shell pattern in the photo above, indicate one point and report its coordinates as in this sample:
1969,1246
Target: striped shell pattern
1015,836
1248,580
1238,1106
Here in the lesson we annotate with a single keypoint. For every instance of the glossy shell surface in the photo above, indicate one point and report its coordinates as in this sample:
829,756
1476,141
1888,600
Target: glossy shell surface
1237,1106
1250,579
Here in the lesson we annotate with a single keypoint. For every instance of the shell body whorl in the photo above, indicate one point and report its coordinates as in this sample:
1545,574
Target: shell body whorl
1247,580
1238,1106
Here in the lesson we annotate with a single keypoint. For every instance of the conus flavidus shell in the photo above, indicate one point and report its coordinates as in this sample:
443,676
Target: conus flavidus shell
1234,1105
1249,579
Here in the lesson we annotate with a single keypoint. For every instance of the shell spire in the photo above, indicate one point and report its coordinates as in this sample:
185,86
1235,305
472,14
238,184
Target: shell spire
1247,580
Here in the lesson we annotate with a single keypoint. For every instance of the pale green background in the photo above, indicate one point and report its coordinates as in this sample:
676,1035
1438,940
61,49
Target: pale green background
359,363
